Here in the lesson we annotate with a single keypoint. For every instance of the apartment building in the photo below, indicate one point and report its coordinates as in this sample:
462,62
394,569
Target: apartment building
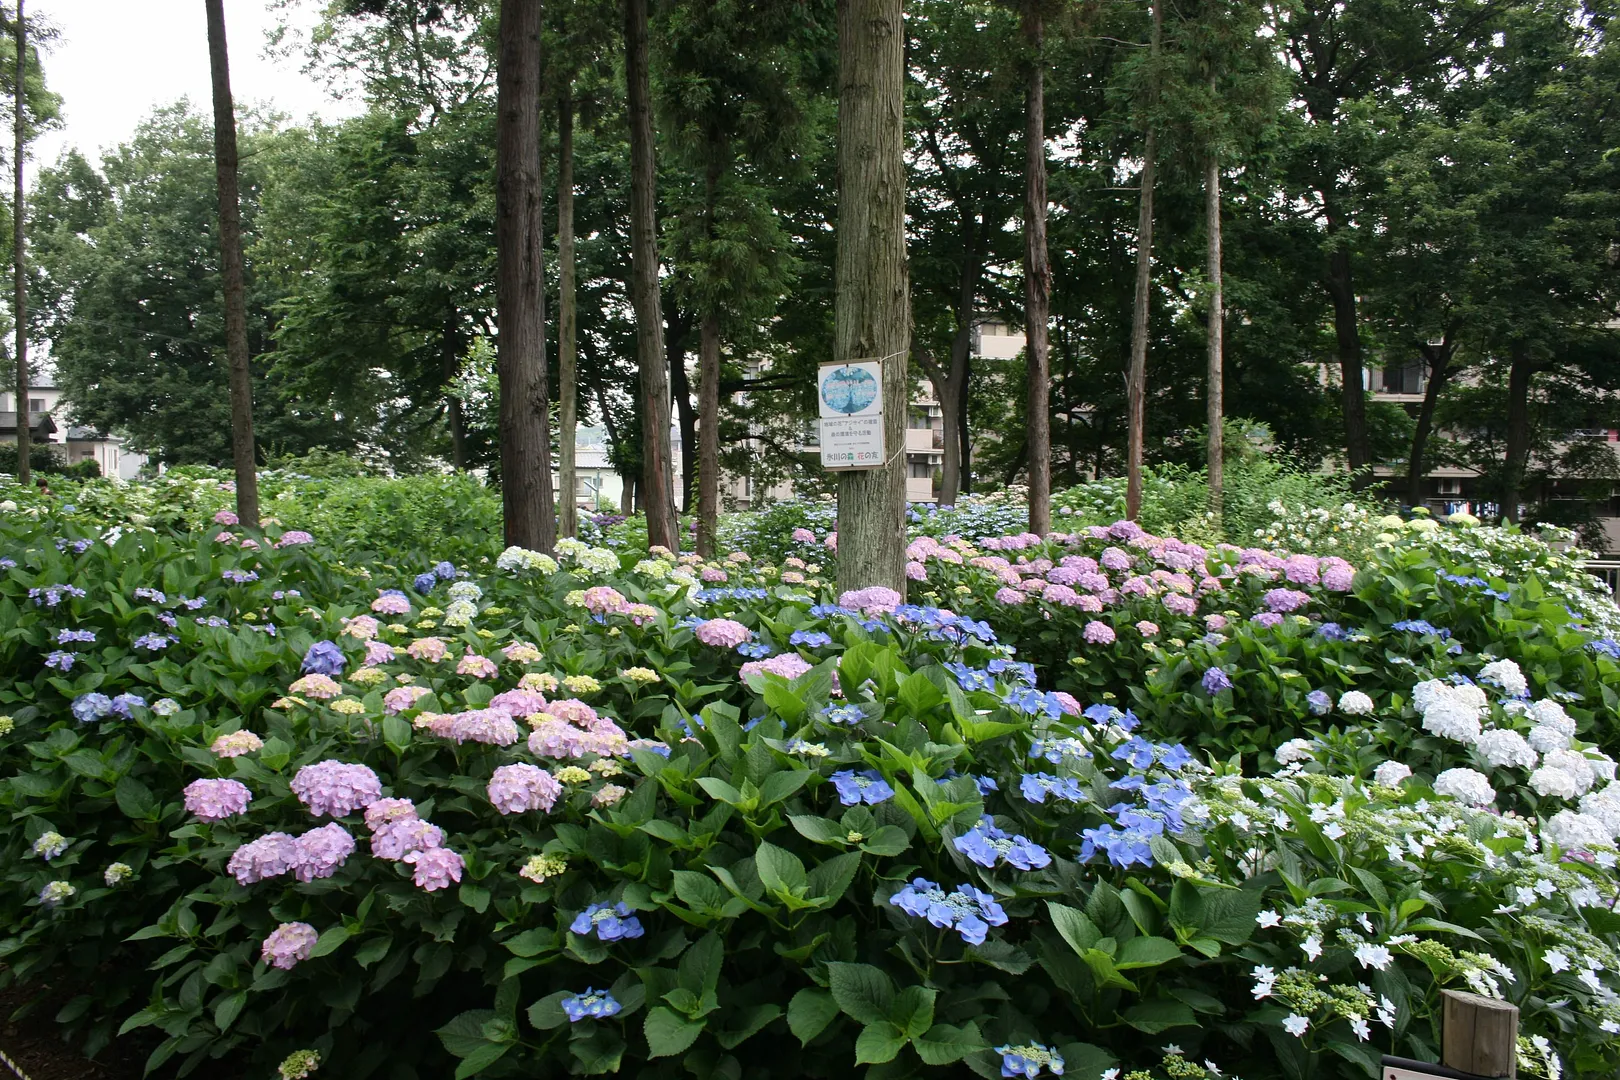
51,421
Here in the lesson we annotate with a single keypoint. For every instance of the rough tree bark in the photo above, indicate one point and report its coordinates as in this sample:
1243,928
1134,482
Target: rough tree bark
1517,451
520,299
1214,388
1037,280
567,389
18,268
708,465
657,488
231,273
1136,378
450,364
1438,358
873,305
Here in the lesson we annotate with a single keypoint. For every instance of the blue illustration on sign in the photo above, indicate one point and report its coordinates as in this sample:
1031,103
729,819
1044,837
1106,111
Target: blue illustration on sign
849,390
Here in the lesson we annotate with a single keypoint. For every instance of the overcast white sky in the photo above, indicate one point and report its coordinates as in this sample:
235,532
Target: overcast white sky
117,59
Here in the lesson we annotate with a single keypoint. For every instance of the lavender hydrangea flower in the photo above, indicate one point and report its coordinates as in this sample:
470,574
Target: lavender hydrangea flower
608,922
320,852
152,642
395,839
89,707
867,787
514,789
1319,702
988,845
216,800
68,637
424,583
124,705
593,1004
271,855
61,661
969,911
288,944
1216,680
324,658
336,788
444,571
1035,787
435,868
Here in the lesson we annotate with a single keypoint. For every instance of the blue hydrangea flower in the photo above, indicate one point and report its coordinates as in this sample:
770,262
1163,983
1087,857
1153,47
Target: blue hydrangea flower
810,639
1216,680
88,707
240,577
1173,755
324,658
1320,702
754,650
152,642
1027,1061
1032,702
969,911
1607,646
986,784
124,705
154,595
828,611
1136,752
68,637
193,603
424,582
609,922
592,1004
867,787
971,678
61,661
1123,847
1332,631
988,845
1037,786
1019,671
444,571
843,714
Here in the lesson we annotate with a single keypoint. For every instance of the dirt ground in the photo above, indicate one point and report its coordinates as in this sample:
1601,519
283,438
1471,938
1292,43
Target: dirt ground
36,1051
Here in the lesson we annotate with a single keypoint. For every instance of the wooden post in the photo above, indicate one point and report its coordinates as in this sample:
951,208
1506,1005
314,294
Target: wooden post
1479,1035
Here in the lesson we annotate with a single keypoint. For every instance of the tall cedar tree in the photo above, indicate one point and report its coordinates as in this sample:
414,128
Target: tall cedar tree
1136,377
872,311
19,279
1037,279
525,429
231,272
657,481
567,318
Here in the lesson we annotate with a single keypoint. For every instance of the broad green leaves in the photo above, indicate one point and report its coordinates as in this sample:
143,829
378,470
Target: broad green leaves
890,1018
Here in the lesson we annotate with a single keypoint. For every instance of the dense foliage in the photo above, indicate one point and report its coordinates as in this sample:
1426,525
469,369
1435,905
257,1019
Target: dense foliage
638,812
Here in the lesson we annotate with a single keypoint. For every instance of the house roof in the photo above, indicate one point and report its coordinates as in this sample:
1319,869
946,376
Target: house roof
43,426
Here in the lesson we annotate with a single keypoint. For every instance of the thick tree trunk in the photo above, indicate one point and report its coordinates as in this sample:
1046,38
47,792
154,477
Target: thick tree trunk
1439,361
964,439
450,365
1136,378
520,297
567,391
1214,388
873,305
658,493
19,280
677,328
1037,280
949,393
1347,333
708,466
1516,458
231,273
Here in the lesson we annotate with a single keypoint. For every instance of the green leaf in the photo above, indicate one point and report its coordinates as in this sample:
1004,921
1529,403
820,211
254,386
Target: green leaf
753,1018
698,891
1229,914
481,1059
547,1013
862,992
779,786
780,870
474,896
699,969
1140,952
372,951
135,799
943,1043
819,830
226,1012
888,840
878,1043
396,733
1156,1016
330,940
918,694
1078,930
829,880
913,1011
668,1033
809,1013
781,699
721,791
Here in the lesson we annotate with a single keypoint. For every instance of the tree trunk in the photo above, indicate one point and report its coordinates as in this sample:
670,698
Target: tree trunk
873,305
1439,358
949,393
678,327
450,364
520,297
567,392
19,210
1037,280
708,466
964,440
1136,378
658,493
1516,459
1346,331
231,273
1213,391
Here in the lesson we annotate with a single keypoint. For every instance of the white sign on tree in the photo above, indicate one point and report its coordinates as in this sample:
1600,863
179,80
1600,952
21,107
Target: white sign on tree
851,400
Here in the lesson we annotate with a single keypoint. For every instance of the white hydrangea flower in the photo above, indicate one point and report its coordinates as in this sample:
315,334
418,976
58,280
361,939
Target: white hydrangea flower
1505,748
1295,750
1355,703
1548,781
1576,764
1603,766
1604,805
1573,831
1546,737
1506,674
1451,718
599,560
1466,786
1548,711
515,559
1426,691
1391,773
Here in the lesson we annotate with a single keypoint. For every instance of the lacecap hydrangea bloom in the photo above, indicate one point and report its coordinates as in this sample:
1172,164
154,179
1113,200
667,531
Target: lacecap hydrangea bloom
987,845
299,1065
867,786
593,1004
969,911
1028,1061
609,922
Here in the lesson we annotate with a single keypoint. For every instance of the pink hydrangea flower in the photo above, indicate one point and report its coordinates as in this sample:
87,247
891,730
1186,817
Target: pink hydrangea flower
216,800
479,667
294,537
1180,605
336,788
321,851
1302,569
1098,633
1114,558
832,541
288,944
1093,581
514,789
1067,702
1089,603
493,727
1061,595
1284,600
436,868
1008,596
788,665
1213,623
722,633
383,811
393,840
236,743
803,536
225,517
401,698
916,571
519,702
364,627
271,855
1147,629
572,711
391,602
378,653
603,600
1267,619
430,649
872,600
316,686
713,574
1337,574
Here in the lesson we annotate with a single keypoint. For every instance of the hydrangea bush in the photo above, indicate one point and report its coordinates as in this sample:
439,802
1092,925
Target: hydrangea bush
619,810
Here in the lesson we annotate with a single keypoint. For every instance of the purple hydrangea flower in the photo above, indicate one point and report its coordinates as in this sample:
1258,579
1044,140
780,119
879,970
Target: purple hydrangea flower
1216,680
61,661
320,852
324,658
424,582
271,855
153,642
396,839
444,571
1319,702
288,944
216,800
988,845
68,637
608,922
124,705
514,789
92,706
336,788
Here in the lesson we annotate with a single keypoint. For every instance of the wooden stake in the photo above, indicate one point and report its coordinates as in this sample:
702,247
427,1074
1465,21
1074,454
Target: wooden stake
1479,1035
